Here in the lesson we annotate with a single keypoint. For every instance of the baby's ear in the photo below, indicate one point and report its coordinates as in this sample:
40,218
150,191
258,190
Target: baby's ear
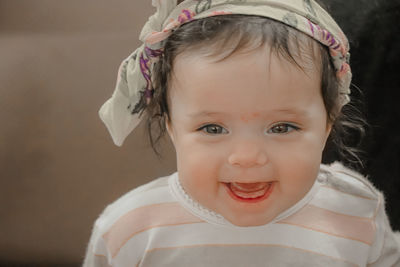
327,133
329,126
168,126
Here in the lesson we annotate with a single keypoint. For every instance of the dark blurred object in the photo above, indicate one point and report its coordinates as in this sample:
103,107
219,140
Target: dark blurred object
374,34
378,66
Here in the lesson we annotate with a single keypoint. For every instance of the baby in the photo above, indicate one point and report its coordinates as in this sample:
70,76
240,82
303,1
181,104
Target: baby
249,92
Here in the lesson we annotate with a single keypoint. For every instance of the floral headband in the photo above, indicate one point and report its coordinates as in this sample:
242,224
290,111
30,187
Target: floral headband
134,90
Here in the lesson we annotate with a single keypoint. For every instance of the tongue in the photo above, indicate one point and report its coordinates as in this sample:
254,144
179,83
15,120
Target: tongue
248,187
249,190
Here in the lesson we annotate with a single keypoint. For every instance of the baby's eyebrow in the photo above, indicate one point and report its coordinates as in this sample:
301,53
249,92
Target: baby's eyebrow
205,114
291,111
286,111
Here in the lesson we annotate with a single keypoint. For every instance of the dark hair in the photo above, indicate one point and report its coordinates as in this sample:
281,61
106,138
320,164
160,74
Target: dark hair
211,35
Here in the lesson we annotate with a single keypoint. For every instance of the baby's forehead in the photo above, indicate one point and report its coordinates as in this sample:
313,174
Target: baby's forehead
303,53
263,61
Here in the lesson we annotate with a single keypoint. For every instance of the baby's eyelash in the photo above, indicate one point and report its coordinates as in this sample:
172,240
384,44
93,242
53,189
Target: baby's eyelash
213,129
279,128
283,128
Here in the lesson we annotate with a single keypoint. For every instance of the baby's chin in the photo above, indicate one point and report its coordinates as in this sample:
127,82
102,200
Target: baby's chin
247,221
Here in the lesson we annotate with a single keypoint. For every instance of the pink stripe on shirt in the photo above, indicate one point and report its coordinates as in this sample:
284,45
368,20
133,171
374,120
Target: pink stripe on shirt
144,218
333,223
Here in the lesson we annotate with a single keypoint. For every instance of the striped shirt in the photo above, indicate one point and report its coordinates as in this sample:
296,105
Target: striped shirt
340,222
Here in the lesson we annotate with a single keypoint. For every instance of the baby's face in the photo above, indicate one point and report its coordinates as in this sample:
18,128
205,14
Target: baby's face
249,132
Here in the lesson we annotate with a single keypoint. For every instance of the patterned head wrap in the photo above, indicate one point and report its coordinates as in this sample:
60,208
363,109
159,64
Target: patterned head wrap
121,113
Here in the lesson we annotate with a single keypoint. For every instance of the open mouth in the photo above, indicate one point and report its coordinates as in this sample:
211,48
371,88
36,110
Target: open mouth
249,192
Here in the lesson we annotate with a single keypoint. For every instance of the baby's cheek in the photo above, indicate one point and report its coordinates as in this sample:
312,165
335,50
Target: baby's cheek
298,170
298,183
200,166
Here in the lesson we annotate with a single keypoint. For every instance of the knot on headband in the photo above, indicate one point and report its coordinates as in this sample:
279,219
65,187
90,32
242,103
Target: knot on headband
134,89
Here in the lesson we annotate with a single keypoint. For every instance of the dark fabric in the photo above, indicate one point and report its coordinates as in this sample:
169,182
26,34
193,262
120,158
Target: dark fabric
374,35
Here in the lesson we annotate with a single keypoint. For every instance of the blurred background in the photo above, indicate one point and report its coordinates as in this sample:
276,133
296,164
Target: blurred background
58,165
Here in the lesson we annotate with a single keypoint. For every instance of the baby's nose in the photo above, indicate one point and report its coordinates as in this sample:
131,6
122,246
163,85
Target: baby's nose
247,155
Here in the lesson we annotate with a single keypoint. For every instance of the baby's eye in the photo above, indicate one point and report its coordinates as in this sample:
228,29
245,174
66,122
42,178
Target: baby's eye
283,128
213,129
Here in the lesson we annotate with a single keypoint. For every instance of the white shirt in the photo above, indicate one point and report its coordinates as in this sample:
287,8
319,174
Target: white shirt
340,222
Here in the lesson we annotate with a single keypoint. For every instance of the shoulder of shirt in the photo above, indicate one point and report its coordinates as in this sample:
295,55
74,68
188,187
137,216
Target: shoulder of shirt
150,193
346,180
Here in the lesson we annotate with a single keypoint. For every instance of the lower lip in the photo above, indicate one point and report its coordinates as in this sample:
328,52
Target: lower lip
249,200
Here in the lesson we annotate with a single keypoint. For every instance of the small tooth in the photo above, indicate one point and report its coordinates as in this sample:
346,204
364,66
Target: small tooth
252,195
